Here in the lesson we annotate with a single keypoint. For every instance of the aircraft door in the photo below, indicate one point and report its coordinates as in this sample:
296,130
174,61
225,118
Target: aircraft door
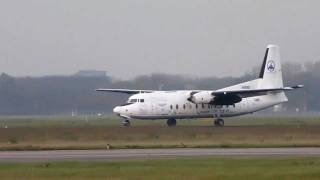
143,108
156,108
242,106
153,108
162,108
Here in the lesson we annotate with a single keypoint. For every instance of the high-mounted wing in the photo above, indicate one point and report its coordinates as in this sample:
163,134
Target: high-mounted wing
254,92
125,91
230,97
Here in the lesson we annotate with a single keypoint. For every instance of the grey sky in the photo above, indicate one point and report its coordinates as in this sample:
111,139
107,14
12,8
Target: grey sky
133,37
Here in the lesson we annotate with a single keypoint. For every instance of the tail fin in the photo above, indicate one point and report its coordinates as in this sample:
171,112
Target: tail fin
271,73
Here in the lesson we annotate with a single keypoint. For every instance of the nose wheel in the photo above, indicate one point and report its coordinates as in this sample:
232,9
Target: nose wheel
171,122
126,123
219,122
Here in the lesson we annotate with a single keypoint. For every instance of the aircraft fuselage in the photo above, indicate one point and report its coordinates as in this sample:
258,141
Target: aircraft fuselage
175,104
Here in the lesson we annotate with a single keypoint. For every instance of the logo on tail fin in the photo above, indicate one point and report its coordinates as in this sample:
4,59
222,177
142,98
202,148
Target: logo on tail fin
271,66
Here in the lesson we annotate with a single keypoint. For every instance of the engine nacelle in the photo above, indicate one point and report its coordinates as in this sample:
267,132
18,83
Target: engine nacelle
203,97
228,99
206,97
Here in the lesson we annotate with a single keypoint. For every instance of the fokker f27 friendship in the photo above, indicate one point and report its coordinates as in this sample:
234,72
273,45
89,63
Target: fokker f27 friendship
240,99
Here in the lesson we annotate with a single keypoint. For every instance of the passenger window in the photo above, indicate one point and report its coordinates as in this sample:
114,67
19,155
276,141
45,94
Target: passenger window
171,107
177,107
141,100
196,106
202,106
184,106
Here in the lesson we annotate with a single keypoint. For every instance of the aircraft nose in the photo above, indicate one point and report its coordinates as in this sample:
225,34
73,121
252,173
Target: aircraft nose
116,110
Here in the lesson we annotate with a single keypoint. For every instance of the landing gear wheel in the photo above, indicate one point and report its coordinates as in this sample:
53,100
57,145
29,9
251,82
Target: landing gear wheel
219,122
171,122
126,123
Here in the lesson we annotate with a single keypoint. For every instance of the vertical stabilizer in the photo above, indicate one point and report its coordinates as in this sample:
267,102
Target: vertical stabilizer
271,73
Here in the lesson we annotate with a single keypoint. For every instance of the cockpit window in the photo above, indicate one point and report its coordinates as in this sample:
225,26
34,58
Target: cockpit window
133,100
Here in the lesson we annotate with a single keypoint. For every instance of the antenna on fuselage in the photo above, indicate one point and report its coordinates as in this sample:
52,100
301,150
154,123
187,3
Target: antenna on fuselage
160,87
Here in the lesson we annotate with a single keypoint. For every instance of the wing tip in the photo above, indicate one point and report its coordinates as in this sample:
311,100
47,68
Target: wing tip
99,89
298,86
272,46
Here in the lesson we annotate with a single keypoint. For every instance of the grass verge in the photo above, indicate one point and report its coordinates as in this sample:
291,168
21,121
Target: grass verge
198,168
60,133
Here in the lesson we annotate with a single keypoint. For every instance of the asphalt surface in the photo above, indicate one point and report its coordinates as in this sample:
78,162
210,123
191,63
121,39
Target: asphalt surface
123,154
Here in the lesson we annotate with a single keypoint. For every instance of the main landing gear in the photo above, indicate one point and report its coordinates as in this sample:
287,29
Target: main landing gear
219,122
126,123
171,122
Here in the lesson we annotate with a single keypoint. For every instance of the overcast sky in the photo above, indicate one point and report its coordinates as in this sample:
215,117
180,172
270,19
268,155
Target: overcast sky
134,37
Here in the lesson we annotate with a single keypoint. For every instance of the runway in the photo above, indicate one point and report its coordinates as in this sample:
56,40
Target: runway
123,154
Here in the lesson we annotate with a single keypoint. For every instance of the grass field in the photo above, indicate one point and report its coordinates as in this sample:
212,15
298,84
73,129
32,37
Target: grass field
67,121
245,168
36,133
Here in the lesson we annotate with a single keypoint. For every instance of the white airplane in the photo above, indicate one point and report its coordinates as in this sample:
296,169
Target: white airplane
240,99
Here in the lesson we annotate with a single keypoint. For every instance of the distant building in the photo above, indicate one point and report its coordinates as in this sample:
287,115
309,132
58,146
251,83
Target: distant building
91,73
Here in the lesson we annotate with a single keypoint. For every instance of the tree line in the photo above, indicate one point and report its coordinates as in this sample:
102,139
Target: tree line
71,94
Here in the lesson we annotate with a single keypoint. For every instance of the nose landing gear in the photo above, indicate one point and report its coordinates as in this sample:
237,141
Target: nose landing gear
126,123
171,122
219,122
